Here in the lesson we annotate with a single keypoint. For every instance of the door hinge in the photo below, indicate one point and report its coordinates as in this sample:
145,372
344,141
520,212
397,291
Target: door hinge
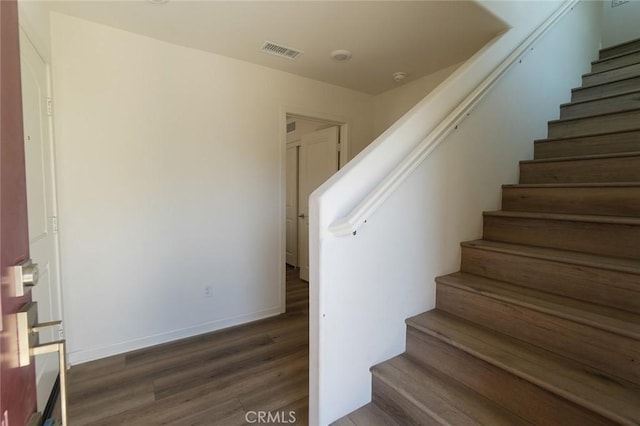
339,147
54,224
49,106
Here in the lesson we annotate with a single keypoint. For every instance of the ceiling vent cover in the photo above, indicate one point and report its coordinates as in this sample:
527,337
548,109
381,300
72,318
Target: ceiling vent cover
280,50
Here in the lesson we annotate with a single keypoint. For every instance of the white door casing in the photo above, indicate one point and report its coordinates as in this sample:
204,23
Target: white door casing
292,205
41,199
318,162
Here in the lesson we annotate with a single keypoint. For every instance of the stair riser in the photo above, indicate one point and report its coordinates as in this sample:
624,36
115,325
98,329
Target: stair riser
618,122
597,238
397,406
609,89
614,74
610,288
607,352
621,169
619,50
611,201
629,59
589,145
525,399
601,106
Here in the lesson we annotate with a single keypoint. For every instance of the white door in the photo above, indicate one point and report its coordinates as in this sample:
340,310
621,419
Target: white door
318,161
292,205
43,242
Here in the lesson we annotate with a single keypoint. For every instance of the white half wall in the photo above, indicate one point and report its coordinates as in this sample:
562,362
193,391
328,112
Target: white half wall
363,287
620,23
171,177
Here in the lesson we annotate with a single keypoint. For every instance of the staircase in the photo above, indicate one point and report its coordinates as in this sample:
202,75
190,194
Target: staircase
542,323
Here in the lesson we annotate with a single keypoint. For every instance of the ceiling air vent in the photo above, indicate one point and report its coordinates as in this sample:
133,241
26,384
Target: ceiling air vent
291,127
280,50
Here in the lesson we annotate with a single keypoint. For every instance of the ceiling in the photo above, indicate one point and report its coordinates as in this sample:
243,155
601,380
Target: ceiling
416,37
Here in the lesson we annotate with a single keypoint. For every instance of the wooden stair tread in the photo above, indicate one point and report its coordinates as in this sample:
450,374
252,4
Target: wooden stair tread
583,157
608,281
367,415
444,399
613,398
577,258
597,316
543,194
574,185
613,96
586,117
618,101
610,69
566,217
604,51
586,125
594,143
569,138
619,71
591,86
619,55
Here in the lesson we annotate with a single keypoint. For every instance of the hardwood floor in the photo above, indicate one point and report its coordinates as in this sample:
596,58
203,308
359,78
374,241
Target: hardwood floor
212,379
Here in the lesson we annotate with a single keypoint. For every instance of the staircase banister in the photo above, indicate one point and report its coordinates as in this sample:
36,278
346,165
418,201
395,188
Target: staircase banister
367,206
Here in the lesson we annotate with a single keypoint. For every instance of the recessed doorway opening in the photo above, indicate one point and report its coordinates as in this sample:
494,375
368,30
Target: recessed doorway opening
315,150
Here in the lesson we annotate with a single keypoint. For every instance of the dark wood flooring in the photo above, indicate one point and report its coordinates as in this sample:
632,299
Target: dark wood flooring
211,379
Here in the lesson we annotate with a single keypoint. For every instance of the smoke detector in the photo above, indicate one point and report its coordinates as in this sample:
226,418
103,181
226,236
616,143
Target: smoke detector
341,55
399,76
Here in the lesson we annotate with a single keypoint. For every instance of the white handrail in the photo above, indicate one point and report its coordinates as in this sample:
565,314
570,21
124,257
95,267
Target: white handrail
349,224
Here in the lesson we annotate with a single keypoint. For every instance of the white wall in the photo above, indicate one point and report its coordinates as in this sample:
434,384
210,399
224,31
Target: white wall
363,287
620,23
305,126
171,178
392,104
34,19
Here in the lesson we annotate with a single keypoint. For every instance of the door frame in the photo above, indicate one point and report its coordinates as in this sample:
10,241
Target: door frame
289,145
26,35
298,112
24,27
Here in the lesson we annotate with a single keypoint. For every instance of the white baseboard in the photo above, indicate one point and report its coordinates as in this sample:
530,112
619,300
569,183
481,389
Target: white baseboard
86,355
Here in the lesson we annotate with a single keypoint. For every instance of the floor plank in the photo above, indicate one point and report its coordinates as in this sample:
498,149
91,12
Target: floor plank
211,379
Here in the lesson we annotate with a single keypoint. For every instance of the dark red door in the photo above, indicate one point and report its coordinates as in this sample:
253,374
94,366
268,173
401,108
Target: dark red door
17,385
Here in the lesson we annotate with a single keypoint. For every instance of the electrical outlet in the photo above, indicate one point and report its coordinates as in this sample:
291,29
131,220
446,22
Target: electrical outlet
60,332
206,291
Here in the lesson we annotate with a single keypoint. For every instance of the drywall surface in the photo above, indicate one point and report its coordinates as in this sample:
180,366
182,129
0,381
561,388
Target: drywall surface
171,178
304,126
34,20
392,104
620,23
364,286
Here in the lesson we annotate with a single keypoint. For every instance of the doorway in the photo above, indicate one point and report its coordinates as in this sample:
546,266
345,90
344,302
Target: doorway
41,207
314,152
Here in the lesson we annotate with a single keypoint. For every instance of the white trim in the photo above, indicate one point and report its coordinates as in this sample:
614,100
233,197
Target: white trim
295,143
349,224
